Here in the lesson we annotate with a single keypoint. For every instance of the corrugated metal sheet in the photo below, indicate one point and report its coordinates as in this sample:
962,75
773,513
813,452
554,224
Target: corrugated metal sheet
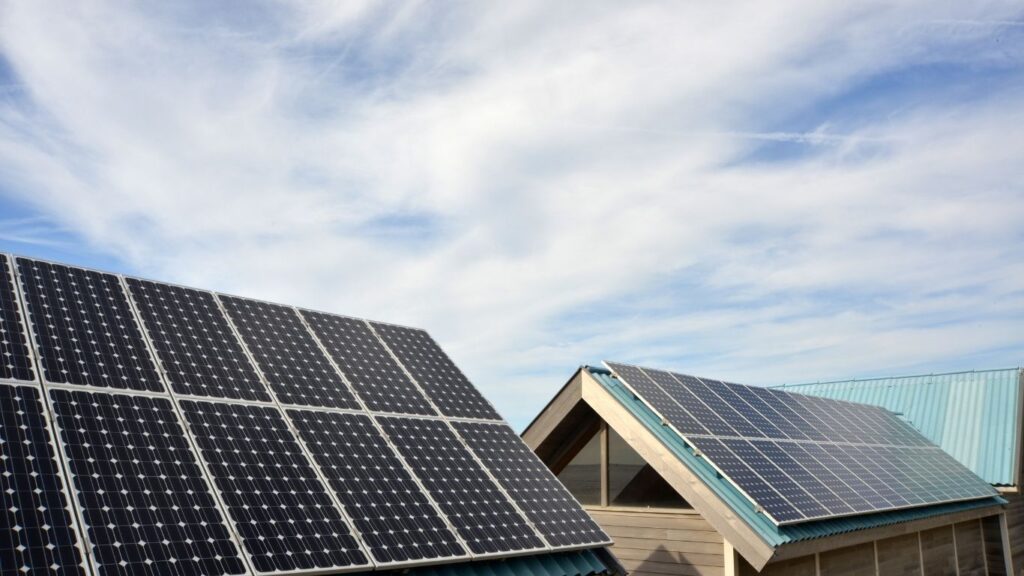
972,415
577,563
741,506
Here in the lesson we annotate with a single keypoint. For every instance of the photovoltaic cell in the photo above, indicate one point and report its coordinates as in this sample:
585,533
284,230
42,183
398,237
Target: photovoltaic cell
85,330
15,361
756,487
367,365
280,509
804,458
36,534
681,415
292,362
222,480
393,515
544,500
194,342
145,503
482,515
435,372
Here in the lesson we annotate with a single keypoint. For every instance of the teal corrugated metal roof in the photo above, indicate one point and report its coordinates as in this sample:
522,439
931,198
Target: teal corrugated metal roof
742,507
971,415
575,563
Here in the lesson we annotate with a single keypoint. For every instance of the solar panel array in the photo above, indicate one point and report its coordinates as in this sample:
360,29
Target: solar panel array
149,428
801,458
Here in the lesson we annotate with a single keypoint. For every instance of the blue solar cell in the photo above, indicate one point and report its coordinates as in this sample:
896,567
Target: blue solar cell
85,330
685,420
804,458
15,360
736,469
37,534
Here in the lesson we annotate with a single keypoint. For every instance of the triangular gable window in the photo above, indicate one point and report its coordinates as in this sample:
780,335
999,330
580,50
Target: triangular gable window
606,471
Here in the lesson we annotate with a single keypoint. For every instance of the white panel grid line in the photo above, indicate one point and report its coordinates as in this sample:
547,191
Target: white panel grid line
283,409
665,422
552,476
494,480
229,519
185,434
78,524
394,449
277,399
70,496
156,355
419,387
194,446
735,485
205,477
785,473
26,333
36,339
687,439
62,455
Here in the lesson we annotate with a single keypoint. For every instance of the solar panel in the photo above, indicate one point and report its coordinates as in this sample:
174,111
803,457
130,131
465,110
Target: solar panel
281,511
295,367
529,482
479,511
37,534
205,434
144,500
435,372
396,519
85,330
15,359
194,342
801,458
367,365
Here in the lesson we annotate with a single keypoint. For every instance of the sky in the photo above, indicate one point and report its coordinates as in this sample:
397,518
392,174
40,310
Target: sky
763,192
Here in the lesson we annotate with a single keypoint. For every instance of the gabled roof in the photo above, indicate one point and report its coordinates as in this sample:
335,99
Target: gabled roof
753,535
974,416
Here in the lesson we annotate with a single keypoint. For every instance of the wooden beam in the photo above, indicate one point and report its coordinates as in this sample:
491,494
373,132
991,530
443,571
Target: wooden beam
554,412
1004,528
730,568
734,529
604,464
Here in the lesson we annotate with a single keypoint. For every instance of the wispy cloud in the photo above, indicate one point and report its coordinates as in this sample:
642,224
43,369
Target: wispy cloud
703,186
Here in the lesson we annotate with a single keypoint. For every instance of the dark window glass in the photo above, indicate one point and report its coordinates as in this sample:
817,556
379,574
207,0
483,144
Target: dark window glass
582,476
632,482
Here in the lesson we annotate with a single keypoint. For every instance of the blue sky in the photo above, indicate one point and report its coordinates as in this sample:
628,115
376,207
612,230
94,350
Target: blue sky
763,192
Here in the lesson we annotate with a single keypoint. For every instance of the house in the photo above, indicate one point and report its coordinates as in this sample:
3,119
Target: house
671,510
974,416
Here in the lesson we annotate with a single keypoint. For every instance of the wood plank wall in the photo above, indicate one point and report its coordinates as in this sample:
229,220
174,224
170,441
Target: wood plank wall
649,543
954,550
1015,523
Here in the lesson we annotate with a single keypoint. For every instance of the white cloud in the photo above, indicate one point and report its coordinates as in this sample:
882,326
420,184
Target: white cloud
541,185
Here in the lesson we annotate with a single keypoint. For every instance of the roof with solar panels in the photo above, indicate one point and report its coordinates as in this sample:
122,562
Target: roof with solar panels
770,469
149,428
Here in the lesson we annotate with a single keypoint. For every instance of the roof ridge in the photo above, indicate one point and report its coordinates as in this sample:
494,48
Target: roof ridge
904,377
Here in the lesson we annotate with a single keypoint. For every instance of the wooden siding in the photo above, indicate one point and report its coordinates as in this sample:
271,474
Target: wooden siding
899,556
649,543
803,566
970,552
851,561
993,542
1015,523
938,551
957,550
